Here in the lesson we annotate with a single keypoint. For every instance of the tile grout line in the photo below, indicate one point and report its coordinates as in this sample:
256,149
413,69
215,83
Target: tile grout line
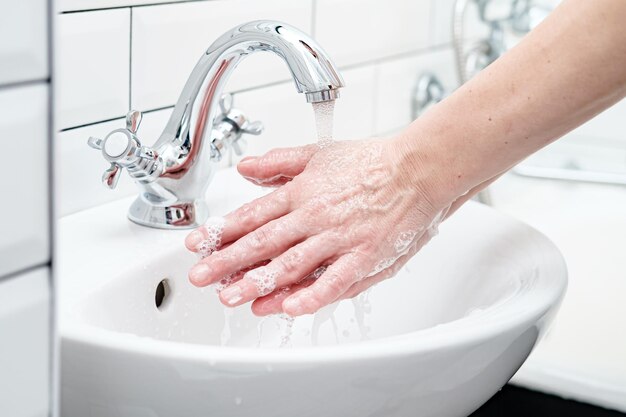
130,63
27,83
23,271
125,6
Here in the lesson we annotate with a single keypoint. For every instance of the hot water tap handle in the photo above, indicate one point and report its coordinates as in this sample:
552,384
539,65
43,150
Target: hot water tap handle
123,149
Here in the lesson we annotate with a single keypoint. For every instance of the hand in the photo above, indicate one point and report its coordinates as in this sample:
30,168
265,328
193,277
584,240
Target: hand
343,218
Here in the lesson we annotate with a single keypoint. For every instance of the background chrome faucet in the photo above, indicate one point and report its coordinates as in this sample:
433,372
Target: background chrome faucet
174,173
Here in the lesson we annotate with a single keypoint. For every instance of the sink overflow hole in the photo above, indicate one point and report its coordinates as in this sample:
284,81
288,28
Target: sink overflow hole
161,294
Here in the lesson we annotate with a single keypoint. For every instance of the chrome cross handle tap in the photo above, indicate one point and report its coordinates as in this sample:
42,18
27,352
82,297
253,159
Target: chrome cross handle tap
123,149
174,173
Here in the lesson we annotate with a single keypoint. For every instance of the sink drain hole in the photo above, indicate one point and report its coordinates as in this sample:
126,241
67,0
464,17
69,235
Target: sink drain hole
162,293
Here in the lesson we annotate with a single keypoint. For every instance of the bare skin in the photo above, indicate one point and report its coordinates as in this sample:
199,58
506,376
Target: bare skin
361,209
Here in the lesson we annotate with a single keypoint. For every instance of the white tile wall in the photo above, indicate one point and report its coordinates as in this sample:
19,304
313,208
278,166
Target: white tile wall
24,179
287,118
382,46
25,314
23,46
25,335
397,80
354,31
164,55
442,11
355,110
93,60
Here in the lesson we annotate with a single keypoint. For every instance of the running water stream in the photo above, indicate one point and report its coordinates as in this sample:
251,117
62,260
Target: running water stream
324,116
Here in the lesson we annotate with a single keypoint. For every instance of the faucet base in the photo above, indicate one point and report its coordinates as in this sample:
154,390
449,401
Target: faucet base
183,215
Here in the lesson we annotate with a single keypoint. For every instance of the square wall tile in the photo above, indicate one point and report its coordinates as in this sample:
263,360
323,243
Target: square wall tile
354,110
169,39
93,62
23,40
396,84
24,236
26,344
287,118
354,31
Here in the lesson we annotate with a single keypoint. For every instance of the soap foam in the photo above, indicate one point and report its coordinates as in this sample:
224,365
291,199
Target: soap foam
264,280
214,228
223,283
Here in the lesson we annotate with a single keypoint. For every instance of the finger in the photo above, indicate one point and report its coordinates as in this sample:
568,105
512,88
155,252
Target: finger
273,303
266,242
368,282
286,269
277,163
245,219
371,280
228,280
337,278
275,181
207,238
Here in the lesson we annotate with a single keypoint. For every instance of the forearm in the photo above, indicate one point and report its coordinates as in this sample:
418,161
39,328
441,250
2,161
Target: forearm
566,71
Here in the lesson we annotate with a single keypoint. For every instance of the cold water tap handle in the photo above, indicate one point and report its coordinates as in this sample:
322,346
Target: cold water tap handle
123,149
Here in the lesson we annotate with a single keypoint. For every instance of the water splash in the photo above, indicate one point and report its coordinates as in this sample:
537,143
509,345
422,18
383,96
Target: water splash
285,339
226,330
322,316
324,117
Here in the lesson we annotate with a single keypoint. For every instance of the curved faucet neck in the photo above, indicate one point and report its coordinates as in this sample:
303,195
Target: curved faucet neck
310,67
185,149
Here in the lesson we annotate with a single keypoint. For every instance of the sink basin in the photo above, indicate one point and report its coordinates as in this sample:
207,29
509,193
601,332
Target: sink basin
439,339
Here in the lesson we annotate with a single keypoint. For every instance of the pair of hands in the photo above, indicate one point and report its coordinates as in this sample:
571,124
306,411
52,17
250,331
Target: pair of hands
342,218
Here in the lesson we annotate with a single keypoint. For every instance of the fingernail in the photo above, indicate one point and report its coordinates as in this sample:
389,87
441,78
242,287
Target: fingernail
194,239
247,160
292,306
199,273
231,295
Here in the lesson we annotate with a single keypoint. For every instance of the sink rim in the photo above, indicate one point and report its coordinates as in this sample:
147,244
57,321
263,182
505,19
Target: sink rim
106,225
520,310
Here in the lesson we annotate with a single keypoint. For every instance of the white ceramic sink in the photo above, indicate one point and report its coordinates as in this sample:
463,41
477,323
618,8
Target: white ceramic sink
439,339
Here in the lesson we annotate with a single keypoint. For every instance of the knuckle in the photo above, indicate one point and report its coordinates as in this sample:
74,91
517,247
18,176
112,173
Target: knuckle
261,239
292,261
335,284
316,206
245,215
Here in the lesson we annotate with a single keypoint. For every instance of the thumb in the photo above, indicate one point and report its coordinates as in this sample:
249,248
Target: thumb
277,166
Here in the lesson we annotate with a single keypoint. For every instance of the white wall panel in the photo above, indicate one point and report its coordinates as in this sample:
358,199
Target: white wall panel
24,178
24,345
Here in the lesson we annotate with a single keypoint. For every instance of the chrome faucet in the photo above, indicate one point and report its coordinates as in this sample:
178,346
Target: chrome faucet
174,173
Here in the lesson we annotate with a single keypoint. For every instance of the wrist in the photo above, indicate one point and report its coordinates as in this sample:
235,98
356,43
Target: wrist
423,161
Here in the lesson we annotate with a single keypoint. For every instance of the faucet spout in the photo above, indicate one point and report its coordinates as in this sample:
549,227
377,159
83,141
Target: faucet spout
185,148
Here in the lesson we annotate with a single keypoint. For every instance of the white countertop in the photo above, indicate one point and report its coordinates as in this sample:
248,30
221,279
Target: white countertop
584,355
